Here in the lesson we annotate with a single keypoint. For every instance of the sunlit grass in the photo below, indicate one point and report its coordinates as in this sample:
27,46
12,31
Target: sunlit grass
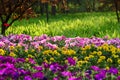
70,25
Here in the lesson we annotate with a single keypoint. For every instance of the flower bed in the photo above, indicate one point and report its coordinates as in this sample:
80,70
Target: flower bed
59,58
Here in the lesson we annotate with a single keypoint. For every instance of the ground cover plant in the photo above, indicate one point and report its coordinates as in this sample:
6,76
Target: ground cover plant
58,57
91,24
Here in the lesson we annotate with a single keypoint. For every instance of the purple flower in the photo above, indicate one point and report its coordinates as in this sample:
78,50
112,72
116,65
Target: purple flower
2,44
71,61
113,71
51,46
66,73
95,68
2,72
22,72
118,78
88,72
32,61
101,75
45,65
38,75
53,68
39,68
20,60
56,78
73,78
27,78
15,75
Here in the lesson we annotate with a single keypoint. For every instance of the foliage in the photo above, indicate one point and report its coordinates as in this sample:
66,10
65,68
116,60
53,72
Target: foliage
97,24
12,10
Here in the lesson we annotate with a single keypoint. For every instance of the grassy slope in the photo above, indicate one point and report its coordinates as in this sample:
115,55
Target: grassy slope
71,25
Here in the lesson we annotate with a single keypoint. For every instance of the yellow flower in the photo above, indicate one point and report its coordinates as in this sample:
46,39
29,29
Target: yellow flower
2,52
64,48
99,60
12,54
26,51
99,53
11,47
83,52
64,52
26,59
47,52
32,50
85,61
52,59
40,47
118,61
18,46
86,58
80,63
83,49
102,57
56,53
45,61
118,72
94,52
115,56
113,52
30,56
91,56
118,49
71,52
75,58
87,47
105,48
99,48
107,68
105,44
68,52
66,61
109,60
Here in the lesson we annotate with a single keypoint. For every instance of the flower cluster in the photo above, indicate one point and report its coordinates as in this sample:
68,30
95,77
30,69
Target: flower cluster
57,58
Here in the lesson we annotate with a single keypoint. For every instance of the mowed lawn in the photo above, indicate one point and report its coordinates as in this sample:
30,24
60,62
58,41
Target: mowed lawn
97,24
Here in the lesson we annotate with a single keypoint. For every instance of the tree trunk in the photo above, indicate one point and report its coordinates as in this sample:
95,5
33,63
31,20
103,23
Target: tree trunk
54,10
117,10
3,30
41,8
47,16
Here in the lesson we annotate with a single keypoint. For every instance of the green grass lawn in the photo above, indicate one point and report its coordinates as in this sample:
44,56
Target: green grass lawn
97,24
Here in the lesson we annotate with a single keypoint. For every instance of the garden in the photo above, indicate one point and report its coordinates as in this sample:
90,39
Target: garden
68,46
59,58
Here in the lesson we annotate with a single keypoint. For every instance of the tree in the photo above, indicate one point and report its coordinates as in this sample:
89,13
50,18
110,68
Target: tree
10,8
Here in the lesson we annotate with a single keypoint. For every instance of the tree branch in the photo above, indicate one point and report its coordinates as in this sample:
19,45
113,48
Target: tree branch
22,13
1,18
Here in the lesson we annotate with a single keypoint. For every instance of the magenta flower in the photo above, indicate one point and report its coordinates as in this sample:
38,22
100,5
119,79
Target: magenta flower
56,78
118,78
38,75
32,61
101,75
113,71
74,78
95,68
71,61
2,44
27,78
66,73
45,65
39,68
